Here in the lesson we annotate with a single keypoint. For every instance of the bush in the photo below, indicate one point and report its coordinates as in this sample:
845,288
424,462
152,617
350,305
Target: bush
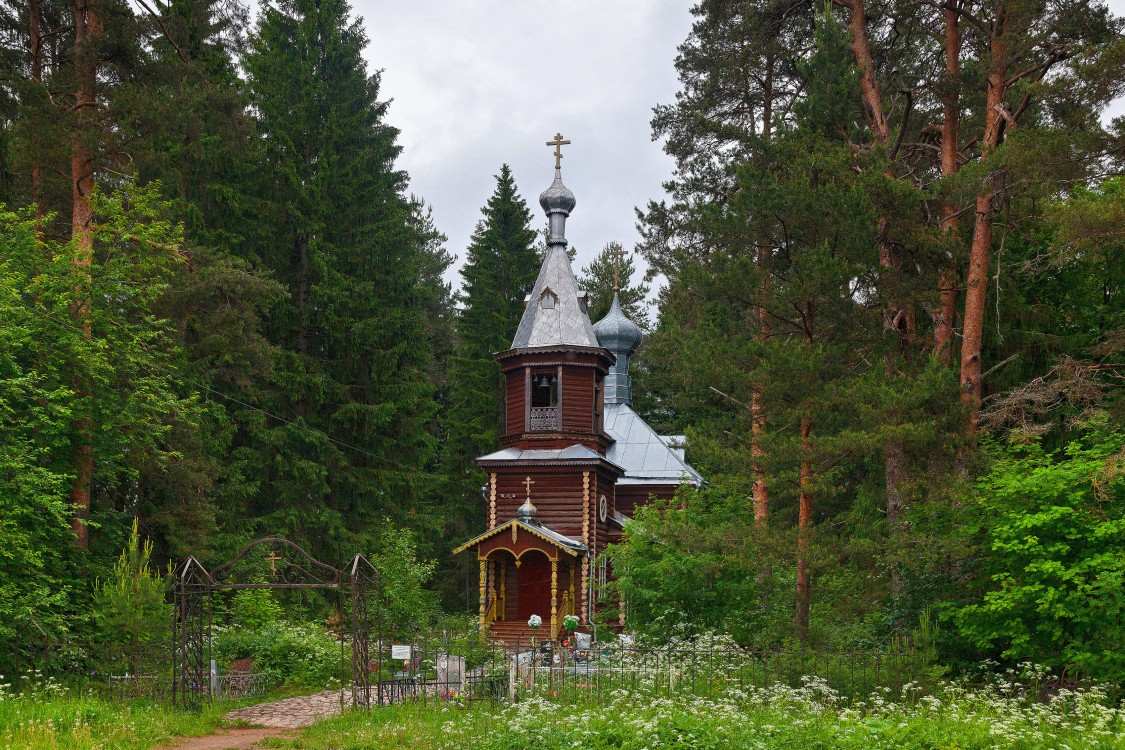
1052,528
296,654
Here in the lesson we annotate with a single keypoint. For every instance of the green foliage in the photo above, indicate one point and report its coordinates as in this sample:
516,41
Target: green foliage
300,654
52,374
35,414
782,717
129,605
500,268
352,369
597,280
1052,529
405,603
73,722
699,564
254,609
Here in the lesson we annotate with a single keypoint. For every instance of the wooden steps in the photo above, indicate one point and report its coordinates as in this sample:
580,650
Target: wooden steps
516,633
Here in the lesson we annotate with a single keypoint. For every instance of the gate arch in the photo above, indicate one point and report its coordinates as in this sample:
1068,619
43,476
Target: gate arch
286,566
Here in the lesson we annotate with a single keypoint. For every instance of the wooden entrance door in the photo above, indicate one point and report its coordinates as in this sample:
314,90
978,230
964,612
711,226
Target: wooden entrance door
535,587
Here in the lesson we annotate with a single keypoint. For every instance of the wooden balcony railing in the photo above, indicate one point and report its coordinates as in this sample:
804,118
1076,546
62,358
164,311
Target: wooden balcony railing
544,419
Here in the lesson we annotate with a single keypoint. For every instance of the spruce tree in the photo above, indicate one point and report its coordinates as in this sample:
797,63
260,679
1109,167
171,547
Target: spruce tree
500,268
352,370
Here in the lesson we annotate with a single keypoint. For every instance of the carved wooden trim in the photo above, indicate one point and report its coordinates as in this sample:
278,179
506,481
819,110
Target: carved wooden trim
586,541
492,502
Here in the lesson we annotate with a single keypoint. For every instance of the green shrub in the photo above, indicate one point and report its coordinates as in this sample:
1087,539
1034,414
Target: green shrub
1052,529
254,609
296,654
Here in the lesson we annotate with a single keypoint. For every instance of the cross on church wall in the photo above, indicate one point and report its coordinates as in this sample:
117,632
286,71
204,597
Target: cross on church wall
527,483
558,143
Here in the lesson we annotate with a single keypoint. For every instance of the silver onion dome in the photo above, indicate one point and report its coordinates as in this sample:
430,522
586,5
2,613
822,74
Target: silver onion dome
528,513
558,197
616,332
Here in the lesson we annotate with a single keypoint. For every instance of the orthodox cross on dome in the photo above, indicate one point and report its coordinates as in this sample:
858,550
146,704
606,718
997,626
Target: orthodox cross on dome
558,143
527,483
617,253
273,557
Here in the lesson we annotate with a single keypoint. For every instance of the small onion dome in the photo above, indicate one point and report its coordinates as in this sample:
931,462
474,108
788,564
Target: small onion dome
528,512
557,197
616,332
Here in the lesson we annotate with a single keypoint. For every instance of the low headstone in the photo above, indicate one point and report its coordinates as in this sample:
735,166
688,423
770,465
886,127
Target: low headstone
451,671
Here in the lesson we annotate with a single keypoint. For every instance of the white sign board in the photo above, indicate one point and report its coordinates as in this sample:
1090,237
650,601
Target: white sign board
402,652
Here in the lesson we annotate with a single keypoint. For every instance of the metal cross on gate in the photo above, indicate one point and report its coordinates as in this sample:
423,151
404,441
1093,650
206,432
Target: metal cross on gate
273,557
558,143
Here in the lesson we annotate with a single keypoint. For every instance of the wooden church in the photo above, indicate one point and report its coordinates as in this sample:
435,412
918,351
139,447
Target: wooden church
575,460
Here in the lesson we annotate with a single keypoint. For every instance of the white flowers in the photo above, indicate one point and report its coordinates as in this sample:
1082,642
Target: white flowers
534,621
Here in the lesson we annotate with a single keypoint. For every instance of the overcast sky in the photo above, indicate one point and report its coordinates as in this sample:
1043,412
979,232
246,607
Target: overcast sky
480,83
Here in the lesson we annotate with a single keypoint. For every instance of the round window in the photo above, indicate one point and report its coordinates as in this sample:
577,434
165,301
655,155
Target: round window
603,507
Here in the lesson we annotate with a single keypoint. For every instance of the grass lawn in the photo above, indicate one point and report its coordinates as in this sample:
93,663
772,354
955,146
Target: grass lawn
67,722
778,717
813,716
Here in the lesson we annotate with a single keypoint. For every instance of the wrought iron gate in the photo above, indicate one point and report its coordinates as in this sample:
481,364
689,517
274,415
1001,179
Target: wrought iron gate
286,566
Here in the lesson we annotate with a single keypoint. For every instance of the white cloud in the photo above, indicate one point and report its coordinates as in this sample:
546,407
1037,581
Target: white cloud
481,83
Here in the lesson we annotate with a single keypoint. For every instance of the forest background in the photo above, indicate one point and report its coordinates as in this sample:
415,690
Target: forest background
891,323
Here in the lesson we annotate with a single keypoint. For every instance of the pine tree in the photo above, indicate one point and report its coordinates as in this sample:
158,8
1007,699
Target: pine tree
353,363
598,281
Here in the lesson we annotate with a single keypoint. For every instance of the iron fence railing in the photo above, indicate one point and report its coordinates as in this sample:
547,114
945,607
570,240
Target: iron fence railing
453,662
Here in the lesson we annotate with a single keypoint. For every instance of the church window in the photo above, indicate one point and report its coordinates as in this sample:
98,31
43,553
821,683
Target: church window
544,407
544,389
547,299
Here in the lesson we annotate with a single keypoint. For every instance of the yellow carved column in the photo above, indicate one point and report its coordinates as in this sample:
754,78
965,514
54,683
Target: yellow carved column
554,597
586,541
483,575
502,605
492,586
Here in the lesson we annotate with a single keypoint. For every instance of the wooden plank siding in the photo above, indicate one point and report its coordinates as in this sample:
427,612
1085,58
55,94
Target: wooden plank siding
557,493
578,399
632,496
514,398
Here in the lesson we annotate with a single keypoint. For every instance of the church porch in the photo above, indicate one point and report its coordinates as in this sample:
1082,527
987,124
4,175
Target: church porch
527,569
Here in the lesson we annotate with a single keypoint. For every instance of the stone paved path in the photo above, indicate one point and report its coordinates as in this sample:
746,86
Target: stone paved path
290,713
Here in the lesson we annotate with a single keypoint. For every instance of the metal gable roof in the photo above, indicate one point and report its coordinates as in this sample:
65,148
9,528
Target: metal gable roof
645,456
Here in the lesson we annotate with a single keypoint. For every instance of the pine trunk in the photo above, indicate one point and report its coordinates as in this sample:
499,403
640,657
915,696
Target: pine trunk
804,525
980,253
87,32
861,48
757,409
950,127
899,317
35,44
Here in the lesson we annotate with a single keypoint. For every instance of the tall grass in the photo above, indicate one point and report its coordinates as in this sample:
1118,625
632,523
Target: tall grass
777,717
47,716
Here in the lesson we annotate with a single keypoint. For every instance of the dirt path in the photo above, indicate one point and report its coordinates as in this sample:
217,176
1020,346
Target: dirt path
276,719
228,739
